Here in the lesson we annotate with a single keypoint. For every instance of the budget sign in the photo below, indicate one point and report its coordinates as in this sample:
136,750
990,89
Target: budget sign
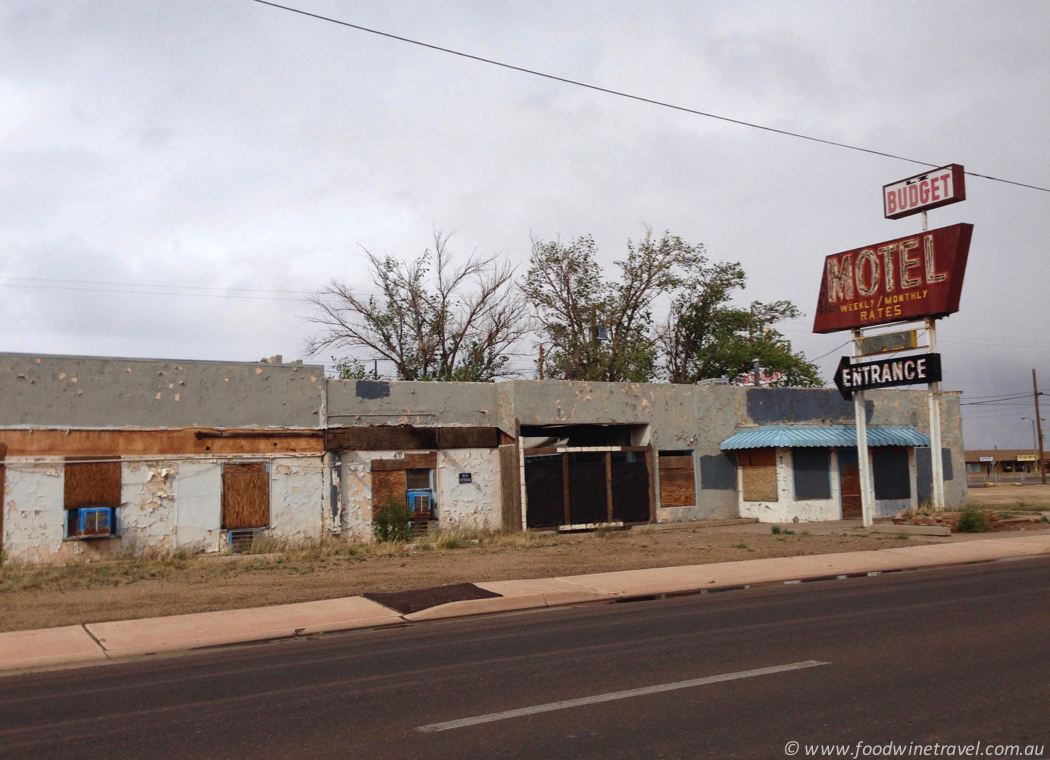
932,189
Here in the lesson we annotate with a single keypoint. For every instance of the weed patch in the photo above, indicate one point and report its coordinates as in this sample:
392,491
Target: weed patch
973,519
392,522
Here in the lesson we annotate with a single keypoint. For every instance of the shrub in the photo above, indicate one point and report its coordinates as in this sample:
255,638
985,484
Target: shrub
974,520
392,522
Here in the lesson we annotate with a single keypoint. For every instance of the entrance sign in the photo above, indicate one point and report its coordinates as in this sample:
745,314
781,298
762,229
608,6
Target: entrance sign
910,278
886,373
931,189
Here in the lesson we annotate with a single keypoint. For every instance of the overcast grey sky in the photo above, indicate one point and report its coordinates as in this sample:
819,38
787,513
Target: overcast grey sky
228,145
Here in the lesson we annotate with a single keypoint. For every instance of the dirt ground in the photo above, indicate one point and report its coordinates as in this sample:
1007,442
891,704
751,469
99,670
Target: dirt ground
44,596
1019,497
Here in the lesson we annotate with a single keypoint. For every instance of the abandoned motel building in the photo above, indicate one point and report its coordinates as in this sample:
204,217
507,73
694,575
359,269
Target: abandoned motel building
102,456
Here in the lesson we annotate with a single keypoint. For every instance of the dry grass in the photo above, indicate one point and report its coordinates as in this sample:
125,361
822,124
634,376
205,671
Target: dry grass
272,572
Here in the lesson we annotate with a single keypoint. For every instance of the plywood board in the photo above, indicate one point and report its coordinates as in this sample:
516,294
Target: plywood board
387,486
425,461
245,496
106,443
510,487
407,437
759,474
92,484
677,485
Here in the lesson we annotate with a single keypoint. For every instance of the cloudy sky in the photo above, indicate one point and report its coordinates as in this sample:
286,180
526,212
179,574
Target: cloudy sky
178,175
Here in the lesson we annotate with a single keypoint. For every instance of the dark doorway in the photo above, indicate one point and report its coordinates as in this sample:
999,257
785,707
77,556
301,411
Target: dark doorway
588,487
849,480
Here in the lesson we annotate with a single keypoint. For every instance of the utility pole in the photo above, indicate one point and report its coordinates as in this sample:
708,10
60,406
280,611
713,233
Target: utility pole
541,361
1038,425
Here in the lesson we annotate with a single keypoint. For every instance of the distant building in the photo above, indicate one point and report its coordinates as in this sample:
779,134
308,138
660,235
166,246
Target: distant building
106,455
1002,465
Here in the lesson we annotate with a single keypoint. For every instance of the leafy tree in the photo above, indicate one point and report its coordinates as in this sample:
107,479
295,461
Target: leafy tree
574,304
705,335
433,320
351,368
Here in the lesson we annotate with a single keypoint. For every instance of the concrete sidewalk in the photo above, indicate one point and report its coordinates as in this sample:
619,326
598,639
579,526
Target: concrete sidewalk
96,643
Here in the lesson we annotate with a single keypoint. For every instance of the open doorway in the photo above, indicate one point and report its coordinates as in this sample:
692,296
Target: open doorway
587,476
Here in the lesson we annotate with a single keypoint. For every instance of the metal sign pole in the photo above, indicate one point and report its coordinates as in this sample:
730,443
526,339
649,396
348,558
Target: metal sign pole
867,493
934,397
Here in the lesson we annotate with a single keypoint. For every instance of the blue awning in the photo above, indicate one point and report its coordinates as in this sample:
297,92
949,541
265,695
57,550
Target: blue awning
825,435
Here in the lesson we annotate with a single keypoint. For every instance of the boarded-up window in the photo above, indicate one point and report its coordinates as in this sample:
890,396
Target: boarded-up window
388,483
426,461
677,482
759,473
891,472
245,496
812,470
92,484
418,480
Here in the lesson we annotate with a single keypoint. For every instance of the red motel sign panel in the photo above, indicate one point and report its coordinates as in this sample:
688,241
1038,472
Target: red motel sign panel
931,189
908,278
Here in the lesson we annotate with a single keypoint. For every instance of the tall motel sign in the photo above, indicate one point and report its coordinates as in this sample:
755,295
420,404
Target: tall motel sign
909,282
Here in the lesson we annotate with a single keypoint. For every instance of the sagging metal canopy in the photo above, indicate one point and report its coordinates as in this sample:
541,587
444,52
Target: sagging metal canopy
790,436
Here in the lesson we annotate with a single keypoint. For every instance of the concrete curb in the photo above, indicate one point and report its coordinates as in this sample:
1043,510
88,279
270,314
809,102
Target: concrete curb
69,645
99,642
126,638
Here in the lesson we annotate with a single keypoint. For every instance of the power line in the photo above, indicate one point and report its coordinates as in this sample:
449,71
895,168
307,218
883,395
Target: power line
145,292
629,96
150,285
43,283
829,353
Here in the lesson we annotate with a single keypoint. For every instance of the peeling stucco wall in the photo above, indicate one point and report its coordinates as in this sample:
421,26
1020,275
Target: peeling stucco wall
147,512
90,392
33,512
474,505
296,498
198,497
355,472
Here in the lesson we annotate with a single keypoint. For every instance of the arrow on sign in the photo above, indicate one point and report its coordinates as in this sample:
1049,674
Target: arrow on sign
886,373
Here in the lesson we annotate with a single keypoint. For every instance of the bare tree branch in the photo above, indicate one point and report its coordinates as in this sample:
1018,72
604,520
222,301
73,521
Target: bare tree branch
452,323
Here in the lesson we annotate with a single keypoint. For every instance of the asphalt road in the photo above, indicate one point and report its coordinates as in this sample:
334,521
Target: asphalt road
950,655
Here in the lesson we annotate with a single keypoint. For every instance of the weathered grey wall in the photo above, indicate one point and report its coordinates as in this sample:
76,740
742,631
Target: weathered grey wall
720,411
668,410
369,402
86,392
